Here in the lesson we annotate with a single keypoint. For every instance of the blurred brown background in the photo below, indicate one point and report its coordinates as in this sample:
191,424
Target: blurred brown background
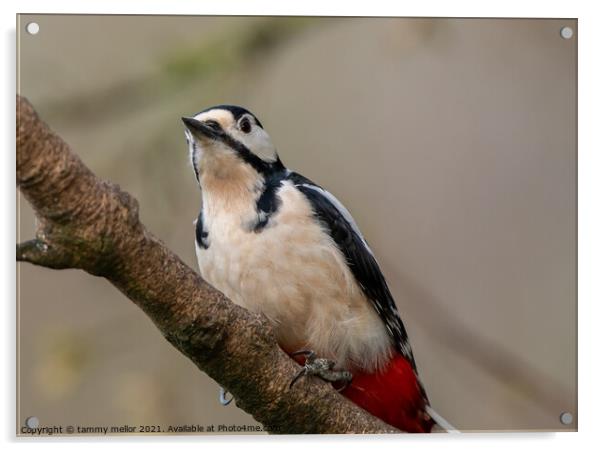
452,142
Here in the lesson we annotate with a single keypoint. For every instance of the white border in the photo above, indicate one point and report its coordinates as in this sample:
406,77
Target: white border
590,219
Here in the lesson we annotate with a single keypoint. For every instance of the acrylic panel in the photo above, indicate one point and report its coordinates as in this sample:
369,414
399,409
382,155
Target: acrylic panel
452,142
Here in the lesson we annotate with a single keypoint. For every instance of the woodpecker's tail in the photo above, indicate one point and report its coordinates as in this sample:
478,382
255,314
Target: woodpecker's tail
442,422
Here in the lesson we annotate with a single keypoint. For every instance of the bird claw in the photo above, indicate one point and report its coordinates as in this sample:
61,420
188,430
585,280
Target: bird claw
222,397
323,368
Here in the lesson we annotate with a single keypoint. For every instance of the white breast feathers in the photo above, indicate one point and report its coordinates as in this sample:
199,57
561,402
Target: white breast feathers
292,272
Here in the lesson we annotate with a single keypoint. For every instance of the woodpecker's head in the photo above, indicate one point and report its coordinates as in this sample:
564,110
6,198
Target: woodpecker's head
223,137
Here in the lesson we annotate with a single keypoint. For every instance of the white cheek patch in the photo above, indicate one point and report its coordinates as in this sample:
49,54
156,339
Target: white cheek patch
258,142
265,149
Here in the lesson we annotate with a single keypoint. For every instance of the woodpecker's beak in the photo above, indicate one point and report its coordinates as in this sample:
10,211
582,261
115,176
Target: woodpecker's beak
199,129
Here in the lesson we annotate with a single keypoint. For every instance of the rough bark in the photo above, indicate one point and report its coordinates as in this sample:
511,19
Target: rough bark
93,225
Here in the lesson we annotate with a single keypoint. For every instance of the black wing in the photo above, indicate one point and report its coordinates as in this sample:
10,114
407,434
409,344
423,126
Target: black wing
345,233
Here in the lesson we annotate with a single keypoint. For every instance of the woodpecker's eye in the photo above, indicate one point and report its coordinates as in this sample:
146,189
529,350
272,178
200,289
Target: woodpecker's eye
245,125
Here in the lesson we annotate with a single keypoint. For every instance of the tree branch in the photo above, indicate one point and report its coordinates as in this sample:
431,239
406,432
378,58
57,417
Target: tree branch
93,225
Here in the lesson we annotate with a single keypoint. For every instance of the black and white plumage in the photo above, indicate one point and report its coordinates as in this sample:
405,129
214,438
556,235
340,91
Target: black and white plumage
277,243
346,234
209,129
333,217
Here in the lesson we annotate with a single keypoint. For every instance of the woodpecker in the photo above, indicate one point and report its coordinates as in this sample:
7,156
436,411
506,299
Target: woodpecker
277,243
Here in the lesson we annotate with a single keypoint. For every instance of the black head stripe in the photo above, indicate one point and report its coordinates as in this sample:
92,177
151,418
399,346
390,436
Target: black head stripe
263,167
237,112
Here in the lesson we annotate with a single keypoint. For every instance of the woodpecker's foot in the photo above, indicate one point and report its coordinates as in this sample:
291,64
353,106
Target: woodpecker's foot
222,397
323,368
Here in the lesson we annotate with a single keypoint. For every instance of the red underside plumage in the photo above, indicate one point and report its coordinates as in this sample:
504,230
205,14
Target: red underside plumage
392,394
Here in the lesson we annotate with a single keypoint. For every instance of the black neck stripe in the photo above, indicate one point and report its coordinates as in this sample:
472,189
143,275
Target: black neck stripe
214,130
263,167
